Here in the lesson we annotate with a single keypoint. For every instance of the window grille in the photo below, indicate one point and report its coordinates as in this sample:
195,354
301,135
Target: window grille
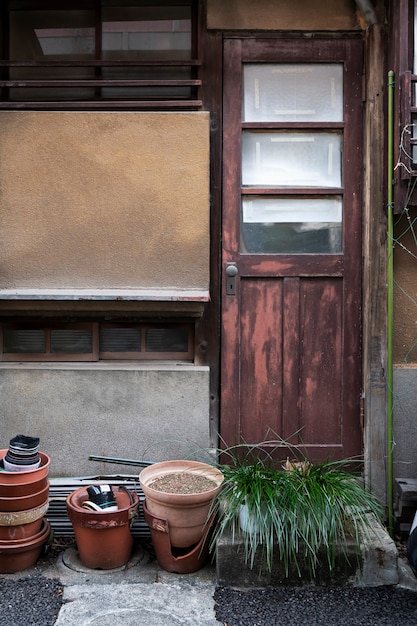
94,341
95,54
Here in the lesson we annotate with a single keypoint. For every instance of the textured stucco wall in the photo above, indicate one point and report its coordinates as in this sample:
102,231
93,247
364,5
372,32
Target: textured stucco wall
282,15
104,200
135,412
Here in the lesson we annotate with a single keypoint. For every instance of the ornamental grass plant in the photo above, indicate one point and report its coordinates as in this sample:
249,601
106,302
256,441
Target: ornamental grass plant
296,510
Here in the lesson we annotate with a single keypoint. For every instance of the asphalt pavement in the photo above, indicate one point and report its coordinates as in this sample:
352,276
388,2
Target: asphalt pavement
142,594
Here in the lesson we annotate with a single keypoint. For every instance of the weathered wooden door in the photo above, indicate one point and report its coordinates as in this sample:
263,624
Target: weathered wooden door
291,246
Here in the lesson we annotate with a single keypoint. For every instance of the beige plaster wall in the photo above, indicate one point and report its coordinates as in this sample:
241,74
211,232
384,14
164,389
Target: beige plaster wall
282,15
104,200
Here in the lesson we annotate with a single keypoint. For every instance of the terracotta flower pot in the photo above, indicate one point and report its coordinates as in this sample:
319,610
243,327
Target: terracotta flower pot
16,556
23,503
18,478
186,513
20,531
22,489
179,561
15,518
104,540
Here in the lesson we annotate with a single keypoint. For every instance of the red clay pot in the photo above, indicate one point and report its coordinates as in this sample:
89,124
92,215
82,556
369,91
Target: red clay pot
20,531
22,503
104,540
16,556
179,561
15,518
23,489
18,478
186,513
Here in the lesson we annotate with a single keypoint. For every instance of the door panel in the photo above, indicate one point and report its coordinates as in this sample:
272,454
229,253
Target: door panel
291,354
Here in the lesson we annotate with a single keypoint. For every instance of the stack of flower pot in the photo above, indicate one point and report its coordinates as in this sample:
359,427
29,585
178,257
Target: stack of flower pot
24,499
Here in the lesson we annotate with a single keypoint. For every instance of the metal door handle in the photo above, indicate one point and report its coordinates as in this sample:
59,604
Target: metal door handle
231,273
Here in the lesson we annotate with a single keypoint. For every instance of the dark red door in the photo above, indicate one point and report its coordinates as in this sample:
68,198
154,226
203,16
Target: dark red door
291,246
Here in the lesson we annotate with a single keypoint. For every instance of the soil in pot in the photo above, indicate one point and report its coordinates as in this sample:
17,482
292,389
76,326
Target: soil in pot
183,482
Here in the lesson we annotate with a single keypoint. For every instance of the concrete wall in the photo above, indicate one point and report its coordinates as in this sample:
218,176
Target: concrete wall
97,200
151,412
405,422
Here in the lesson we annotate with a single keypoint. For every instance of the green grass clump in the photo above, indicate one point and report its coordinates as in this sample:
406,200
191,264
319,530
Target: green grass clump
297,509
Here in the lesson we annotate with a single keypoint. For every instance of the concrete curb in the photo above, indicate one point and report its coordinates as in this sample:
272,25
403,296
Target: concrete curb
376,565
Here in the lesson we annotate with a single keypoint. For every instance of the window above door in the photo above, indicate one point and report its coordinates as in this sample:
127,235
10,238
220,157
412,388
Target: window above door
99,54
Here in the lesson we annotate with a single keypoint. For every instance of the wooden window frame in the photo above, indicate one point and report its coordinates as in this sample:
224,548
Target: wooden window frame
145,355
408,117
48,355
97,355
142,103
264,50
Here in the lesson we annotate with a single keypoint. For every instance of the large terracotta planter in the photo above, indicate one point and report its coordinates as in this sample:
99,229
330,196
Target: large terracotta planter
18,555
28,476
104,540
186,513
177,560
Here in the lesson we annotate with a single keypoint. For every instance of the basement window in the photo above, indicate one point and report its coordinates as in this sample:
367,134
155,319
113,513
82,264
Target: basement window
96,53
95,341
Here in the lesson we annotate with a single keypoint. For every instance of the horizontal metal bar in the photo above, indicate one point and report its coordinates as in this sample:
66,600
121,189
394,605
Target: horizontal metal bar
113,459
101,104
99,83
101,63
139,295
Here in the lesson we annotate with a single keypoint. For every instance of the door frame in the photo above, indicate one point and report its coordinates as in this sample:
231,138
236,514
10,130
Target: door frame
298,50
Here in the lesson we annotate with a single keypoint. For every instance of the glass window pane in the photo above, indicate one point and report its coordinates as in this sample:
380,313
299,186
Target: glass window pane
148,34
51,35
167,340
291,159
290,92
287,225
120,340
71,341
21,341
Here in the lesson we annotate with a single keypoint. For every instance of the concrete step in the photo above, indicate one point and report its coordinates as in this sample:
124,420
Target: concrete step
376,564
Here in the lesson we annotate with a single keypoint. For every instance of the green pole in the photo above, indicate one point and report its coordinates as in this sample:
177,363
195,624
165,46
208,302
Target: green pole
390,307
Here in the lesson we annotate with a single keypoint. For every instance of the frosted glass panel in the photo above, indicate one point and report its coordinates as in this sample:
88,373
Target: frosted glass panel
289,92
286,225
291,159
292,210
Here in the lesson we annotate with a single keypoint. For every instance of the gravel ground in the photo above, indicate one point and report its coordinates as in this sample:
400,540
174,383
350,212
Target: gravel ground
316,606
33,600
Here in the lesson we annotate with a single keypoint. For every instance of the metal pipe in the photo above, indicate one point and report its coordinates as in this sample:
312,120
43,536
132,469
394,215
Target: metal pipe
390,303
368,11
114,459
